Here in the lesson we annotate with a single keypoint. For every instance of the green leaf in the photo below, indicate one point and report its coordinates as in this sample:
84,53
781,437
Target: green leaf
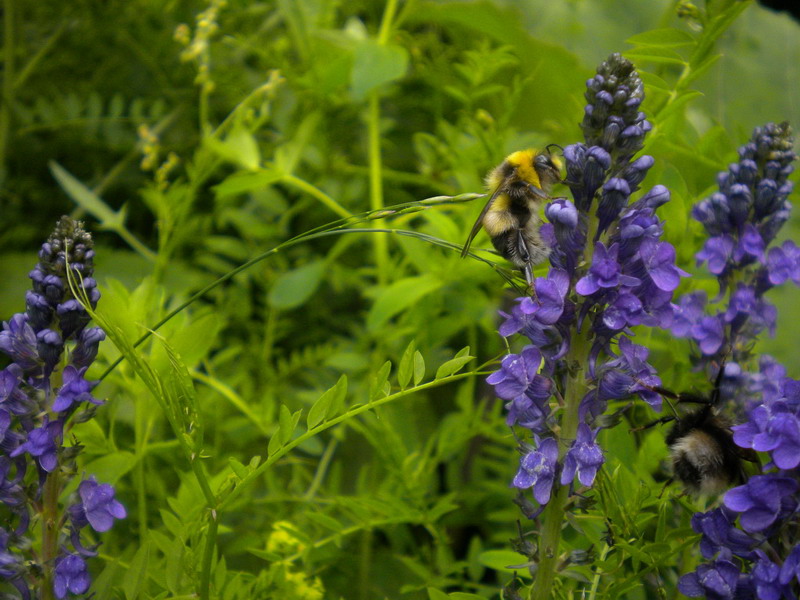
238,468
419,368
380,383
294,288
656,55
324,520
676,106
375,65
287,423
110,467
244,181
434,594
136,576
238,147
326,406
406,367
275,443
452,366
87,199
667,37
503,560
399,296
701,68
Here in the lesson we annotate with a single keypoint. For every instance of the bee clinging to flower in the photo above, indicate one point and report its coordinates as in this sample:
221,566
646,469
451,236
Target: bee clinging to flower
519,186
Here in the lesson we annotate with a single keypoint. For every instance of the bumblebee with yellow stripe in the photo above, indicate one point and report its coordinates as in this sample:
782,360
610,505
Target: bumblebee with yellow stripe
519,186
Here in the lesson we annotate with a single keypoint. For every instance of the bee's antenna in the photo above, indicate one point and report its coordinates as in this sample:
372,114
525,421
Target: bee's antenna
547,148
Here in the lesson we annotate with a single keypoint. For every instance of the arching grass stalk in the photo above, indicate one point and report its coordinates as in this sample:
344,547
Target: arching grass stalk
339,227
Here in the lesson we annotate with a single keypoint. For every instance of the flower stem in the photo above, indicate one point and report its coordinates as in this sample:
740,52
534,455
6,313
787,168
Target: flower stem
553,515
49,532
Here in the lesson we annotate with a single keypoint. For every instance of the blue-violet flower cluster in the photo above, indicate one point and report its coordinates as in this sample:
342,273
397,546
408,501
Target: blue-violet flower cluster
43,392
610,271
750,542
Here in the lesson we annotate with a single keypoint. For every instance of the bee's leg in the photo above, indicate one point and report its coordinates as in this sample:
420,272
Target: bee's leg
529,278
660,421
525,255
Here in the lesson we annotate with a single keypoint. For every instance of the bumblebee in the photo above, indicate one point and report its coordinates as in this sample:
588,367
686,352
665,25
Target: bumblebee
519,186
705,459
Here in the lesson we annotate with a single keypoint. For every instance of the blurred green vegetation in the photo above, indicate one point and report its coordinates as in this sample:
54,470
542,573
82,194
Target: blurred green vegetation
192,145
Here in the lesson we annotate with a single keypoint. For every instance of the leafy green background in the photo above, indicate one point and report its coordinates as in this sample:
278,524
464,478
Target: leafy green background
285,116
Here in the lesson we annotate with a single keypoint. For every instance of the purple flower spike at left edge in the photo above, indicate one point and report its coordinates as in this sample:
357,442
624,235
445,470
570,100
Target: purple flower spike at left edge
18,340
75,389
761,500
43,444
71,575
584,458
98,506
516,374
537,469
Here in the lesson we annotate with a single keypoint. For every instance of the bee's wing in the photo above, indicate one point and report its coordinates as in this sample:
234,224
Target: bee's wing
477,227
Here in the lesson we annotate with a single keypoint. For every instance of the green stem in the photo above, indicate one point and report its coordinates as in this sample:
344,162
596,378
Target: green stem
364,565
318,194
376,183
553,515
375,161
208,554
49,532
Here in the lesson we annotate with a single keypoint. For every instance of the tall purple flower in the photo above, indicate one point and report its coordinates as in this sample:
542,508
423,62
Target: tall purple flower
610,271
742,219
37,400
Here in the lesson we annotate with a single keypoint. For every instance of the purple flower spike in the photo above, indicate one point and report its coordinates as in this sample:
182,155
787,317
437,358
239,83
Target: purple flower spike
584,458
537,469
71,575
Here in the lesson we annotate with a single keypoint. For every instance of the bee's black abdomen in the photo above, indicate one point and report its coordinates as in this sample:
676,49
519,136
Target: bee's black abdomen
704,455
